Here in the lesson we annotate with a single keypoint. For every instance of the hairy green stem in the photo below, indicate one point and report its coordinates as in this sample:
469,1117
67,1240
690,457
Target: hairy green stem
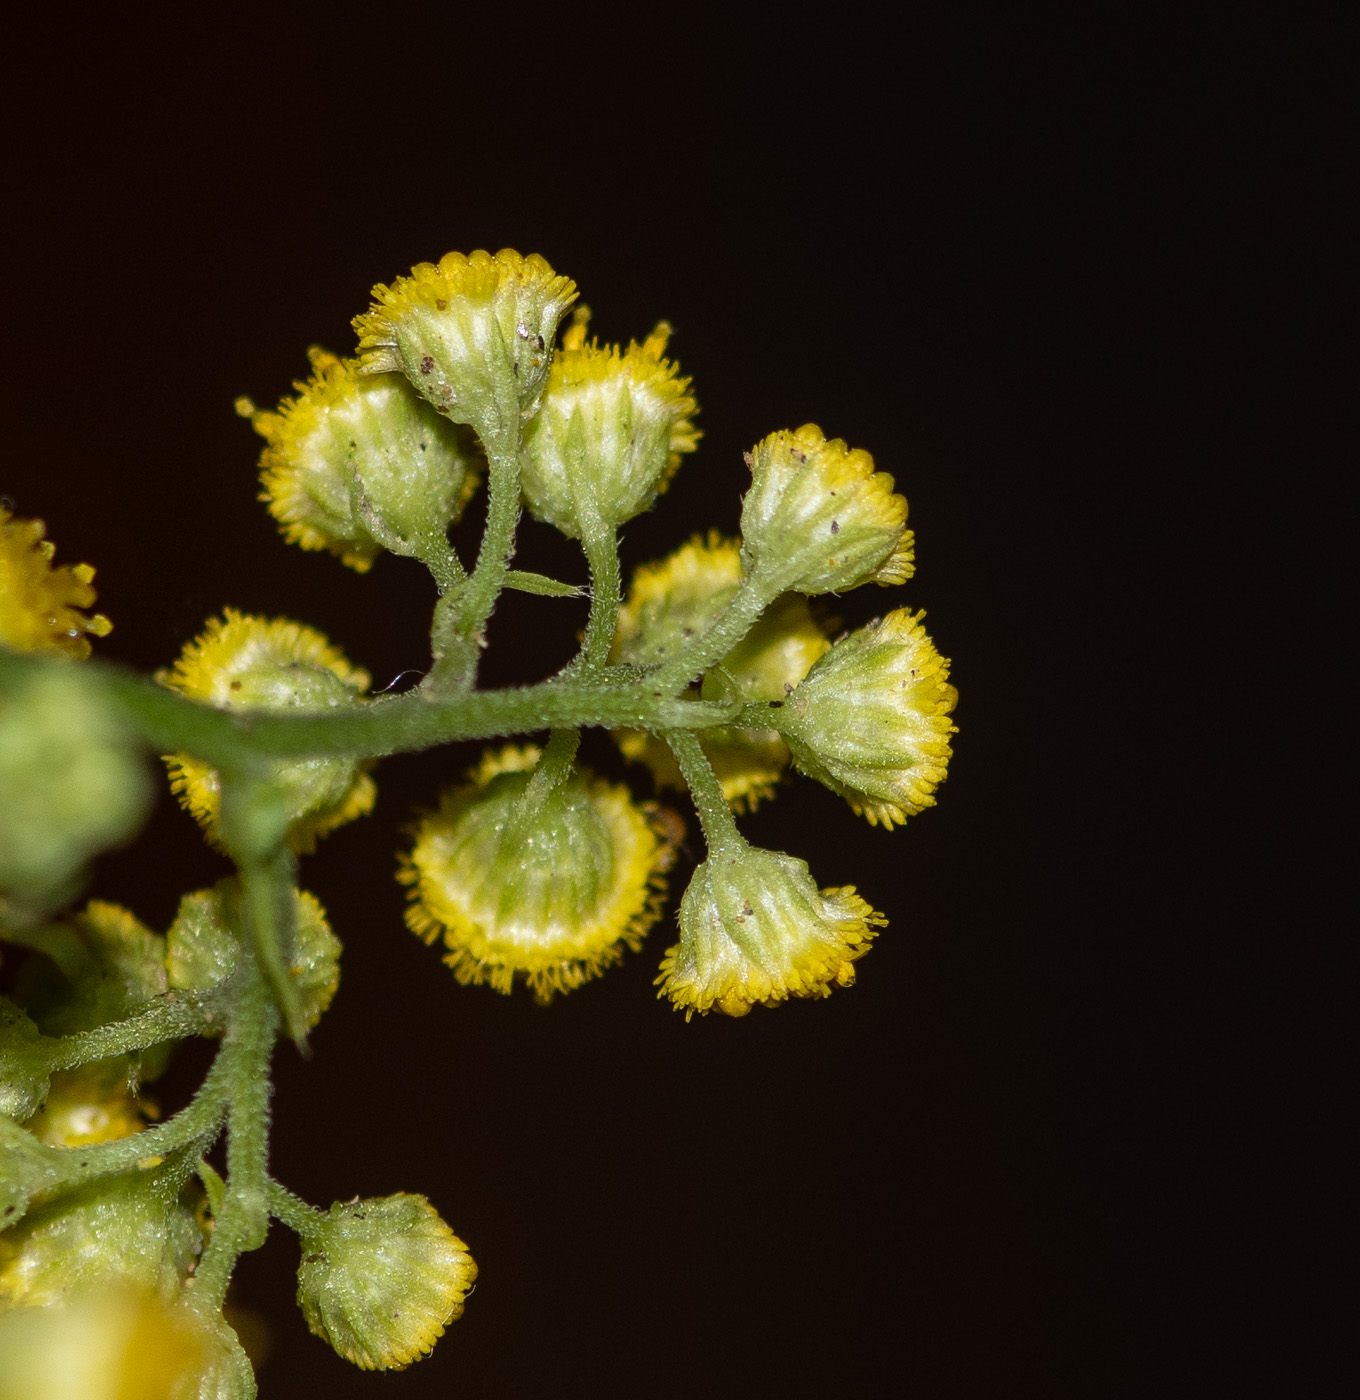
292,1210
246,1052
715,816
168,1019
600,541
267,903
390,724
196,1126
731,625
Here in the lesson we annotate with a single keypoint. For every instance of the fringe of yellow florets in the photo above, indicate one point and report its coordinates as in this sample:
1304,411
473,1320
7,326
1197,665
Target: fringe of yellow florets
215,668
475,910
39,604
286,433
806,957
477,277
578,364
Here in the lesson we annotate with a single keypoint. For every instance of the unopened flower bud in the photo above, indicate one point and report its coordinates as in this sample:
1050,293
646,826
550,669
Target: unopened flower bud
72,781
554,892
40,606
204,946
120,1229
360,463
754,927
819,519
676,599
243,662
609,434
473,334
871,719
381,1279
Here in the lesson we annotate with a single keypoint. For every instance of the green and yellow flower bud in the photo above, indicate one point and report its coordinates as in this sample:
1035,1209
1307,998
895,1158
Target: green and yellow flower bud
819,519
204,945
553,890
243,662
871,720
120,1343
609,434
40,606
381,1279
754,927
678,598
473,334
24,1081
72,781
360,463
117,1230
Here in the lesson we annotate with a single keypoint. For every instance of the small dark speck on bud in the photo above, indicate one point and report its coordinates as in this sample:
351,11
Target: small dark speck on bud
835,527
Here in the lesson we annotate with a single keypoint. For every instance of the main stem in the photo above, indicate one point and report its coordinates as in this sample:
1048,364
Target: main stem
244,1219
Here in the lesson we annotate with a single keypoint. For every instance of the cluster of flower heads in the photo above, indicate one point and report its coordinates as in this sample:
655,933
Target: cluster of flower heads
533,869
549,881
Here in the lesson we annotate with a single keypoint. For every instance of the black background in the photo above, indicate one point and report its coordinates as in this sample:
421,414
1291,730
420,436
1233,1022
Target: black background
998,255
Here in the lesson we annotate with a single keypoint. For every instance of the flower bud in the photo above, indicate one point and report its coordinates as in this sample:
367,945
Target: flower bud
381,1279
473,334
243,662
119,1229
554,891
610,431
871,720
360,463
72,784
819,519
755,928
204,945
24,1081
39,605
678,598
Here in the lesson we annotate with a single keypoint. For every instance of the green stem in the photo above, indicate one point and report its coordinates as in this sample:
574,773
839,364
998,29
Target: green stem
731,625
715,816
244,1219
600,541
170,1019
292,1210
196,1125
267,883
554,767
457,669
404,723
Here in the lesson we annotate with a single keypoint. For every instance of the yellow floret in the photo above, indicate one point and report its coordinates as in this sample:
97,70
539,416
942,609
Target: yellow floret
40,605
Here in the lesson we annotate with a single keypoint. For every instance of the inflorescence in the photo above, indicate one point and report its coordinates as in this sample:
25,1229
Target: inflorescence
118,1235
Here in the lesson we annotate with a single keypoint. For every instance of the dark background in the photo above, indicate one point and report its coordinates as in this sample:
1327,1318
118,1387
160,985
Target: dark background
998,255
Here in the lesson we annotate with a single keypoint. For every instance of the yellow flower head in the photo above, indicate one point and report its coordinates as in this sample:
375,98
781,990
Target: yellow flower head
39,605
120,1342
204,944
358,464
244,662
675,599
473,334
610,431
871,720
754,927
819,519
554,891
88,1105
381,1279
